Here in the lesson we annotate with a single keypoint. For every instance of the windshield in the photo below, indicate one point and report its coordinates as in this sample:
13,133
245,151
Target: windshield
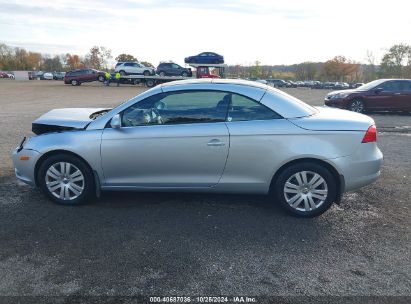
371,85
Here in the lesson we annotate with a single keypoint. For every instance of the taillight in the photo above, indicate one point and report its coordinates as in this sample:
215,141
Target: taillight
370,135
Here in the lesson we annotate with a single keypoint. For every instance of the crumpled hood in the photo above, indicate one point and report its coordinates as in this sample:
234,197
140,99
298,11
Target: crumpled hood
331,119
64,119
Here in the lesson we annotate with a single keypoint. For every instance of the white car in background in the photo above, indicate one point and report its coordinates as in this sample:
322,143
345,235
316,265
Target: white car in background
129,68
48,76
11,76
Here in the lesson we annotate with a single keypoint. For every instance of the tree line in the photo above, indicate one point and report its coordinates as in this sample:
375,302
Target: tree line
395,63
20,59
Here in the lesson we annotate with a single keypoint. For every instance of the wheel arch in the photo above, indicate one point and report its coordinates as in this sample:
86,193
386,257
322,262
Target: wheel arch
339,178
57,152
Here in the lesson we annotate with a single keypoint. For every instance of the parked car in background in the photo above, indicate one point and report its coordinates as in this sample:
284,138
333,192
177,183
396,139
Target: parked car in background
299,83
205,57
317,85
341,85
292,84
48,76
377,95
77,77
59,75
199,135
277,83
133,68
3,75
173,69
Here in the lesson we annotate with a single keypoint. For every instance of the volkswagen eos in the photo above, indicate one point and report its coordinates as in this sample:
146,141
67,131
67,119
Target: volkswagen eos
204,135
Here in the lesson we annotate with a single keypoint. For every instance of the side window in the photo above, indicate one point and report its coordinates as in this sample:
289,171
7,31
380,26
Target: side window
175,66
406,86
178,108
244,108
390,86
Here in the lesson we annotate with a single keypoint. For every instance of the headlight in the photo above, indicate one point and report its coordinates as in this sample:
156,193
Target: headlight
339,95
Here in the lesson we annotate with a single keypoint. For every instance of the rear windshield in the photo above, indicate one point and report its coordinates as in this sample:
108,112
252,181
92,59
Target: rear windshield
300,106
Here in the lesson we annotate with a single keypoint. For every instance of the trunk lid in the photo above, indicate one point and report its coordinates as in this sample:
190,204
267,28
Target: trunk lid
65,119
331,119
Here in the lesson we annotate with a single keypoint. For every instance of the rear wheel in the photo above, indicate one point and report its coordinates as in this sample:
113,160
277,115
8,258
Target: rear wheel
184,74
146,73
305,189
100,78
357,105
150,83
162,74
66,179
122,73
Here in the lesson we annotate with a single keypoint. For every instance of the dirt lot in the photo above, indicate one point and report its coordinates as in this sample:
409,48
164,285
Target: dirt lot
195,244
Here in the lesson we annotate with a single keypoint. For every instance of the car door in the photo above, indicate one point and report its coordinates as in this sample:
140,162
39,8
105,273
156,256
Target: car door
175,69
174,139
405,95
385,96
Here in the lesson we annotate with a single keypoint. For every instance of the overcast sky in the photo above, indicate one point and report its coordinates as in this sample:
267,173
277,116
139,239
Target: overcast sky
273,32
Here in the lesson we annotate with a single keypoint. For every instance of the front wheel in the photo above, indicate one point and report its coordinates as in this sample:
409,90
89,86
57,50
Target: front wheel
184,74
357,106
100,78
74,82
306,189
146,73
66,179
162,74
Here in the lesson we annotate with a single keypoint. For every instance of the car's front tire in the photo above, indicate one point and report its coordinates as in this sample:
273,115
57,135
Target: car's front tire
305,189
100,78
162,74
357,105
184,74
66,179
74,82
146,73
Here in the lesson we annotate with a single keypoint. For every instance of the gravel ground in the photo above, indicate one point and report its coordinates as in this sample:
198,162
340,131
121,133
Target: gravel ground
194,244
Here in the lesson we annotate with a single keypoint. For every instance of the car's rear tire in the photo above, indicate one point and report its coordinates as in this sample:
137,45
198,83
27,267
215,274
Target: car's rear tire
305,189
66,179
146,73
357,105
162,74
74,82
122,73
100,78
184,74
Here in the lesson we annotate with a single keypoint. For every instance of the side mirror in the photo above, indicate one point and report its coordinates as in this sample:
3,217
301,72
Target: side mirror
378,90
116,121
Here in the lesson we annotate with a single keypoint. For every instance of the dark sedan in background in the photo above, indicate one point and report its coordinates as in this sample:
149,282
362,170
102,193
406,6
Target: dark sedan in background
205,57
377,95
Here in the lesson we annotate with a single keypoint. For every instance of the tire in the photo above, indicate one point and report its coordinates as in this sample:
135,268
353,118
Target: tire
122,73
150,83
73,190
136,81
146,73
74,82
294,191
162,74
100,78
184,74
357,105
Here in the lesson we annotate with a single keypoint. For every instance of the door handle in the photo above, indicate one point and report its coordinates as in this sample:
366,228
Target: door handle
397,93
215,143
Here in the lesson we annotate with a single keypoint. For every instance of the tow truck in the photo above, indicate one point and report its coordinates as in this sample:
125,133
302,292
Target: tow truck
202,71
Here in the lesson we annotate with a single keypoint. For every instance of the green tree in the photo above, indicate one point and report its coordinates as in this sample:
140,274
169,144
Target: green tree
147,64
126,57
256,70
396,62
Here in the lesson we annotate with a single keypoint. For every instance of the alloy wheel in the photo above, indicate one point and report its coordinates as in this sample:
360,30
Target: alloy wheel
65,181
305,191
357,106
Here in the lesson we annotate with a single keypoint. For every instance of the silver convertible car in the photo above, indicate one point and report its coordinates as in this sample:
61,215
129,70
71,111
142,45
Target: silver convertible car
208,135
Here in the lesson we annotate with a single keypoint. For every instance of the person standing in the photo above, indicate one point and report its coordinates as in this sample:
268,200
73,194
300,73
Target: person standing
108,76
118,75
